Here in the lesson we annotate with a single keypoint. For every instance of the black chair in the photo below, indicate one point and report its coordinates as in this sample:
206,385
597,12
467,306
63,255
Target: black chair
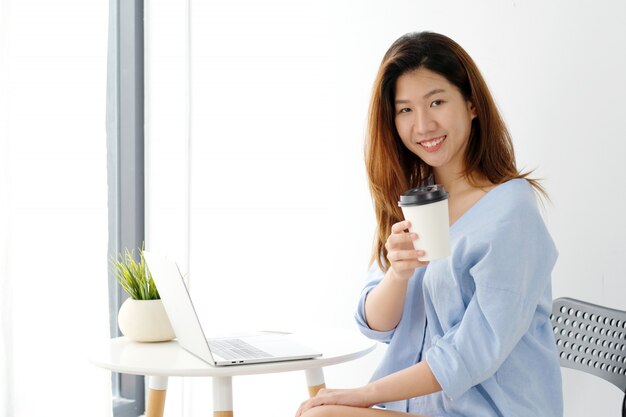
592,339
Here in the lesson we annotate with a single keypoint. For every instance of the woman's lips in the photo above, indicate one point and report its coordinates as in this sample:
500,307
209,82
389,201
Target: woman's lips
432,145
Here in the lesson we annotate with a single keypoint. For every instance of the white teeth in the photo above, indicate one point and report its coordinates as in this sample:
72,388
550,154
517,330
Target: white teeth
433,142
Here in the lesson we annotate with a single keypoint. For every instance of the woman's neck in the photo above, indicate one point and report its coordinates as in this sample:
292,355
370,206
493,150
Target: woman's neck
451,181
458,182
463,192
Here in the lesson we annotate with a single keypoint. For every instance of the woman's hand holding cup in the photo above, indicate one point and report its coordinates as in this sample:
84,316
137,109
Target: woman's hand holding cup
401,252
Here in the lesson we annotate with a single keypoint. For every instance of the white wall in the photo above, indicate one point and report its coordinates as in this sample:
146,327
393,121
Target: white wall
280,215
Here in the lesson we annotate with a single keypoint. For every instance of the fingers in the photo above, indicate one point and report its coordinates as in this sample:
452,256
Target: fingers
307,405
321,398
401,241
396,240
401,253
400,226
399,238
405,255
405,258
302,409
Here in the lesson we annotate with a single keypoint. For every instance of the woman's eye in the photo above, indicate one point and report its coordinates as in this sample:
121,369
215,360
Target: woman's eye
404,110
436,103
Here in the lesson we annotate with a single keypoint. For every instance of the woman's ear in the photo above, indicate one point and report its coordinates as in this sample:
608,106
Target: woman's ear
472,109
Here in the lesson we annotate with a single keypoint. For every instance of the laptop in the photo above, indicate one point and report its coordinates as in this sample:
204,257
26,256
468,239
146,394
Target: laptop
220,351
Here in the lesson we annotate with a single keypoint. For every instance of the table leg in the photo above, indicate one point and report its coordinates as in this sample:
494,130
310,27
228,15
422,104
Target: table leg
315,380
222,396
157,387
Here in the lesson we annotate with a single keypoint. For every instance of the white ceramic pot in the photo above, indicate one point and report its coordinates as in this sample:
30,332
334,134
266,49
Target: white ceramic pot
145,321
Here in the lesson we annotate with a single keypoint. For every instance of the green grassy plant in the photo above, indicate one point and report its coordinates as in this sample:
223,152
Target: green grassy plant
133,276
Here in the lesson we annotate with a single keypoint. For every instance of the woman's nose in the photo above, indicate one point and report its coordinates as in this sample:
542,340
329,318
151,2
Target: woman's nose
423,122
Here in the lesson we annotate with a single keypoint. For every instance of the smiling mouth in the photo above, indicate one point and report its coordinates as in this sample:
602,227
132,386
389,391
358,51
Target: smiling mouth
431,145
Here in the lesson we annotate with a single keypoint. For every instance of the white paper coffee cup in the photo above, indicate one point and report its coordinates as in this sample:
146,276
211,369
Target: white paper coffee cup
427,210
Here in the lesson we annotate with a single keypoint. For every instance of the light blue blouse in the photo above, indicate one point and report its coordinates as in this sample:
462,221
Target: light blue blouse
480,317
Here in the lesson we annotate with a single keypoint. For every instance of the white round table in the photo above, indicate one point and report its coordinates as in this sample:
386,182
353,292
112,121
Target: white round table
159,361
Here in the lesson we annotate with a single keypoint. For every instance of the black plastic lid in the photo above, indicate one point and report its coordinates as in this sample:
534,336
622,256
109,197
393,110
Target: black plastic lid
423,195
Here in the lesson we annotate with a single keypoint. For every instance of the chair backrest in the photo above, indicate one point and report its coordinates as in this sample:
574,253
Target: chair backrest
592,339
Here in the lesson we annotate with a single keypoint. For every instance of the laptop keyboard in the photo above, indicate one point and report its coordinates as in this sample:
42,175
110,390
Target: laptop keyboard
230,349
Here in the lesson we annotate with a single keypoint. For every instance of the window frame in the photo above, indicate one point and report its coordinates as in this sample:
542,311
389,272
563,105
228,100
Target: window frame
125,170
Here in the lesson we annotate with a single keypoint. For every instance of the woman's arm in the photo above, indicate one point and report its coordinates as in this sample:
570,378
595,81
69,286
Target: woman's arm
385,303
414,381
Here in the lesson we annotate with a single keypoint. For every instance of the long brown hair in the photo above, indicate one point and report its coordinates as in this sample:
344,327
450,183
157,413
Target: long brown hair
391,168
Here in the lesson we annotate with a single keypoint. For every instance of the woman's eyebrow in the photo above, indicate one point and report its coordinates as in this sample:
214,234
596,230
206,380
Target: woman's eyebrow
427,95
433,92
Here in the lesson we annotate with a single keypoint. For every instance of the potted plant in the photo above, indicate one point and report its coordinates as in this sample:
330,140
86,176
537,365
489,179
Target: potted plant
142,317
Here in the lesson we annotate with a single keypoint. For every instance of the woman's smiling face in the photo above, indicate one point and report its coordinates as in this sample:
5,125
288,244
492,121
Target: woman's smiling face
433,119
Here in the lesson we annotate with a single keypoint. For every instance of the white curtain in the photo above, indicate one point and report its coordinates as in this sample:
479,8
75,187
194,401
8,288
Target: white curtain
53,208
255,176
5,311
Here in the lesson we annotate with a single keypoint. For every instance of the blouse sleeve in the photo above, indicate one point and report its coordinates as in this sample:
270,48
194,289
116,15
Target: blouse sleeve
511,269
374,276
